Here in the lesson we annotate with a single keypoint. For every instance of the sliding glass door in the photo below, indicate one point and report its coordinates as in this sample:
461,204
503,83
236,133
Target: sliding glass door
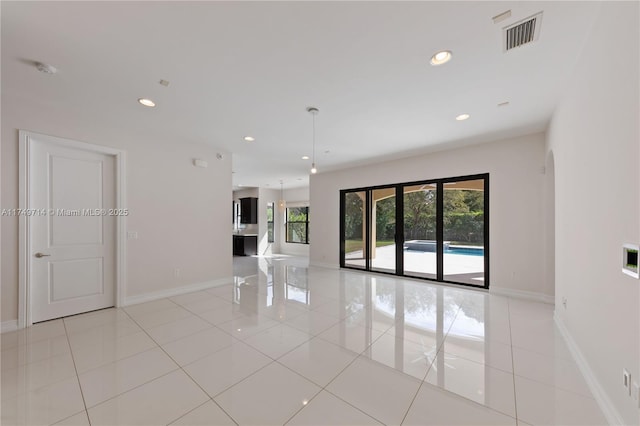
382,251
435,229
463,231
354,234
420,242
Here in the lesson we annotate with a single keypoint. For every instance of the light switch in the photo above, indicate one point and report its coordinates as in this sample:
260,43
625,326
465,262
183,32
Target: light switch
132,235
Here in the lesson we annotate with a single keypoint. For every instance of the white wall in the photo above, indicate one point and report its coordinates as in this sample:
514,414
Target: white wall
516,204
296,197
181,212
594,138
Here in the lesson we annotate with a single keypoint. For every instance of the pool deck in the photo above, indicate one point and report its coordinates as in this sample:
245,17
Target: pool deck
466,268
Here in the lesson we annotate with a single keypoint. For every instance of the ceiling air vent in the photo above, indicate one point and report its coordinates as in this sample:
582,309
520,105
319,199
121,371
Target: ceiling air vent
523,32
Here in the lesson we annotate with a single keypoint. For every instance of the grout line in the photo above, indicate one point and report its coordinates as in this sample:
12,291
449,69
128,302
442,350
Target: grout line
422,382
179,368
84,402
324,388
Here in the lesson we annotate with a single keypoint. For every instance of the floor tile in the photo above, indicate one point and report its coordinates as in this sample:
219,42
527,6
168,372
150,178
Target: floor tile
540,336
340,310
147,307
113,379
247,326
47,330
31,377
156,318
90,355
326,409
491,353
541,404
278,340
379,391
312,322
192,348
80,419
178,329
478,382
226,367
158,402
194,297
82,322
402,355
318,360
282,311
428,338
103,333
557,372
223,291
353,337
207,414
435,407
43,406
339,347
37,351
206,304
222,314
271,396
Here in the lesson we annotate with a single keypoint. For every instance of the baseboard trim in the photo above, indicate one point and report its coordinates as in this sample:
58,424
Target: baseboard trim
520,294
601,397
149,297
324,265
7,326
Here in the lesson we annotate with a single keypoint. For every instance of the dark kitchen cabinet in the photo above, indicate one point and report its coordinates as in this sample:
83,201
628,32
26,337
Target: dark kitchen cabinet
245,245
248,210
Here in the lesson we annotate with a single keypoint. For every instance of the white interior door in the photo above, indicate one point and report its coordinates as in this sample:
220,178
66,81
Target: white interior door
72,230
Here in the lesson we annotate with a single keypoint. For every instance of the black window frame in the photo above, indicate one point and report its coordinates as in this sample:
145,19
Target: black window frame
306,222
400,224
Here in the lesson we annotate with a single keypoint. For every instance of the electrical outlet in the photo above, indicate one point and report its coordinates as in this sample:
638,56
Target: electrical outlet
176,273
132,235
626,379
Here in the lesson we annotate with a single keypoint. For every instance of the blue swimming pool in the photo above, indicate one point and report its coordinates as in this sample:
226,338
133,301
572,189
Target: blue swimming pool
430,246
466,251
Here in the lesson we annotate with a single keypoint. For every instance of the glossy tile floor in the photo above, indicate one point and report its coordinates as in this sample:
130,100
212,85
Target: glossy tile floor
288,344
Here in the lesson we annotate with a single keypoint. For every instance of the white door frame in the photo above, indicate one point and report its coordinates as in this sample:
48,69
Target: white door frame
24,225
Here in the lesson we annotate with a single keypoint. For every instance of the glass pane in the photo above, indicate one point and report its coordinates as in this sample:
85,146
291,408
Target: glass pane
270,236
383,229
463,217
297,225
419,250
354,231
296,232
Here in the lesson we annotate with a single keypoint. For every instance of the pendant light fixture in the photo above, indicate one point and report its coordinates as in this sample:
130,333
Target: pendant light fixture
313,111
281,202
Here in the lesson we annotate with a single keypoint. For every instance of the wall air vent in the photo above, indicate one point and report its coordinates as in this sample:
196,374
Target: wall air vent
521,33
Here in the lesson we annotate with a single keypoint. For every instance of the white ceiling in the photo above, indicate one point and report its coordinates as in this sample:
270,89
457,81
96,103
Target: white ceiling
252,68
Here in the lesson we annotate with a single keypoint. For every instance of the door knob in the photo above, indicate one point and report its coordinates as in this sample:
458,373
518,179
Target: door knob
39,255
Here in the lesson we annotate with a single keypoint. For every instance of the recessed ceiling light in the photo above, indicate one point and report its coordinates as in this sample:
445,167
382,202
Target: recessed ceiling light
441,57
305,157
146,102
249,138
462,117
46,68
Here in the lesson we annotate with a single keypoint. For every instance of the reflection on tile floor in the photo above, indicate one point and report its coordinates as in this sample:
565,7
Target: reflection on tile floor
285,343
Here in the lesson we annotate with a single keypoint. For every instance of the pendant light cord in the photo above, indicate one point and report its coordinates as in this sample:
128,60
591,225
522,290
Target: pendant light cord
314,137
